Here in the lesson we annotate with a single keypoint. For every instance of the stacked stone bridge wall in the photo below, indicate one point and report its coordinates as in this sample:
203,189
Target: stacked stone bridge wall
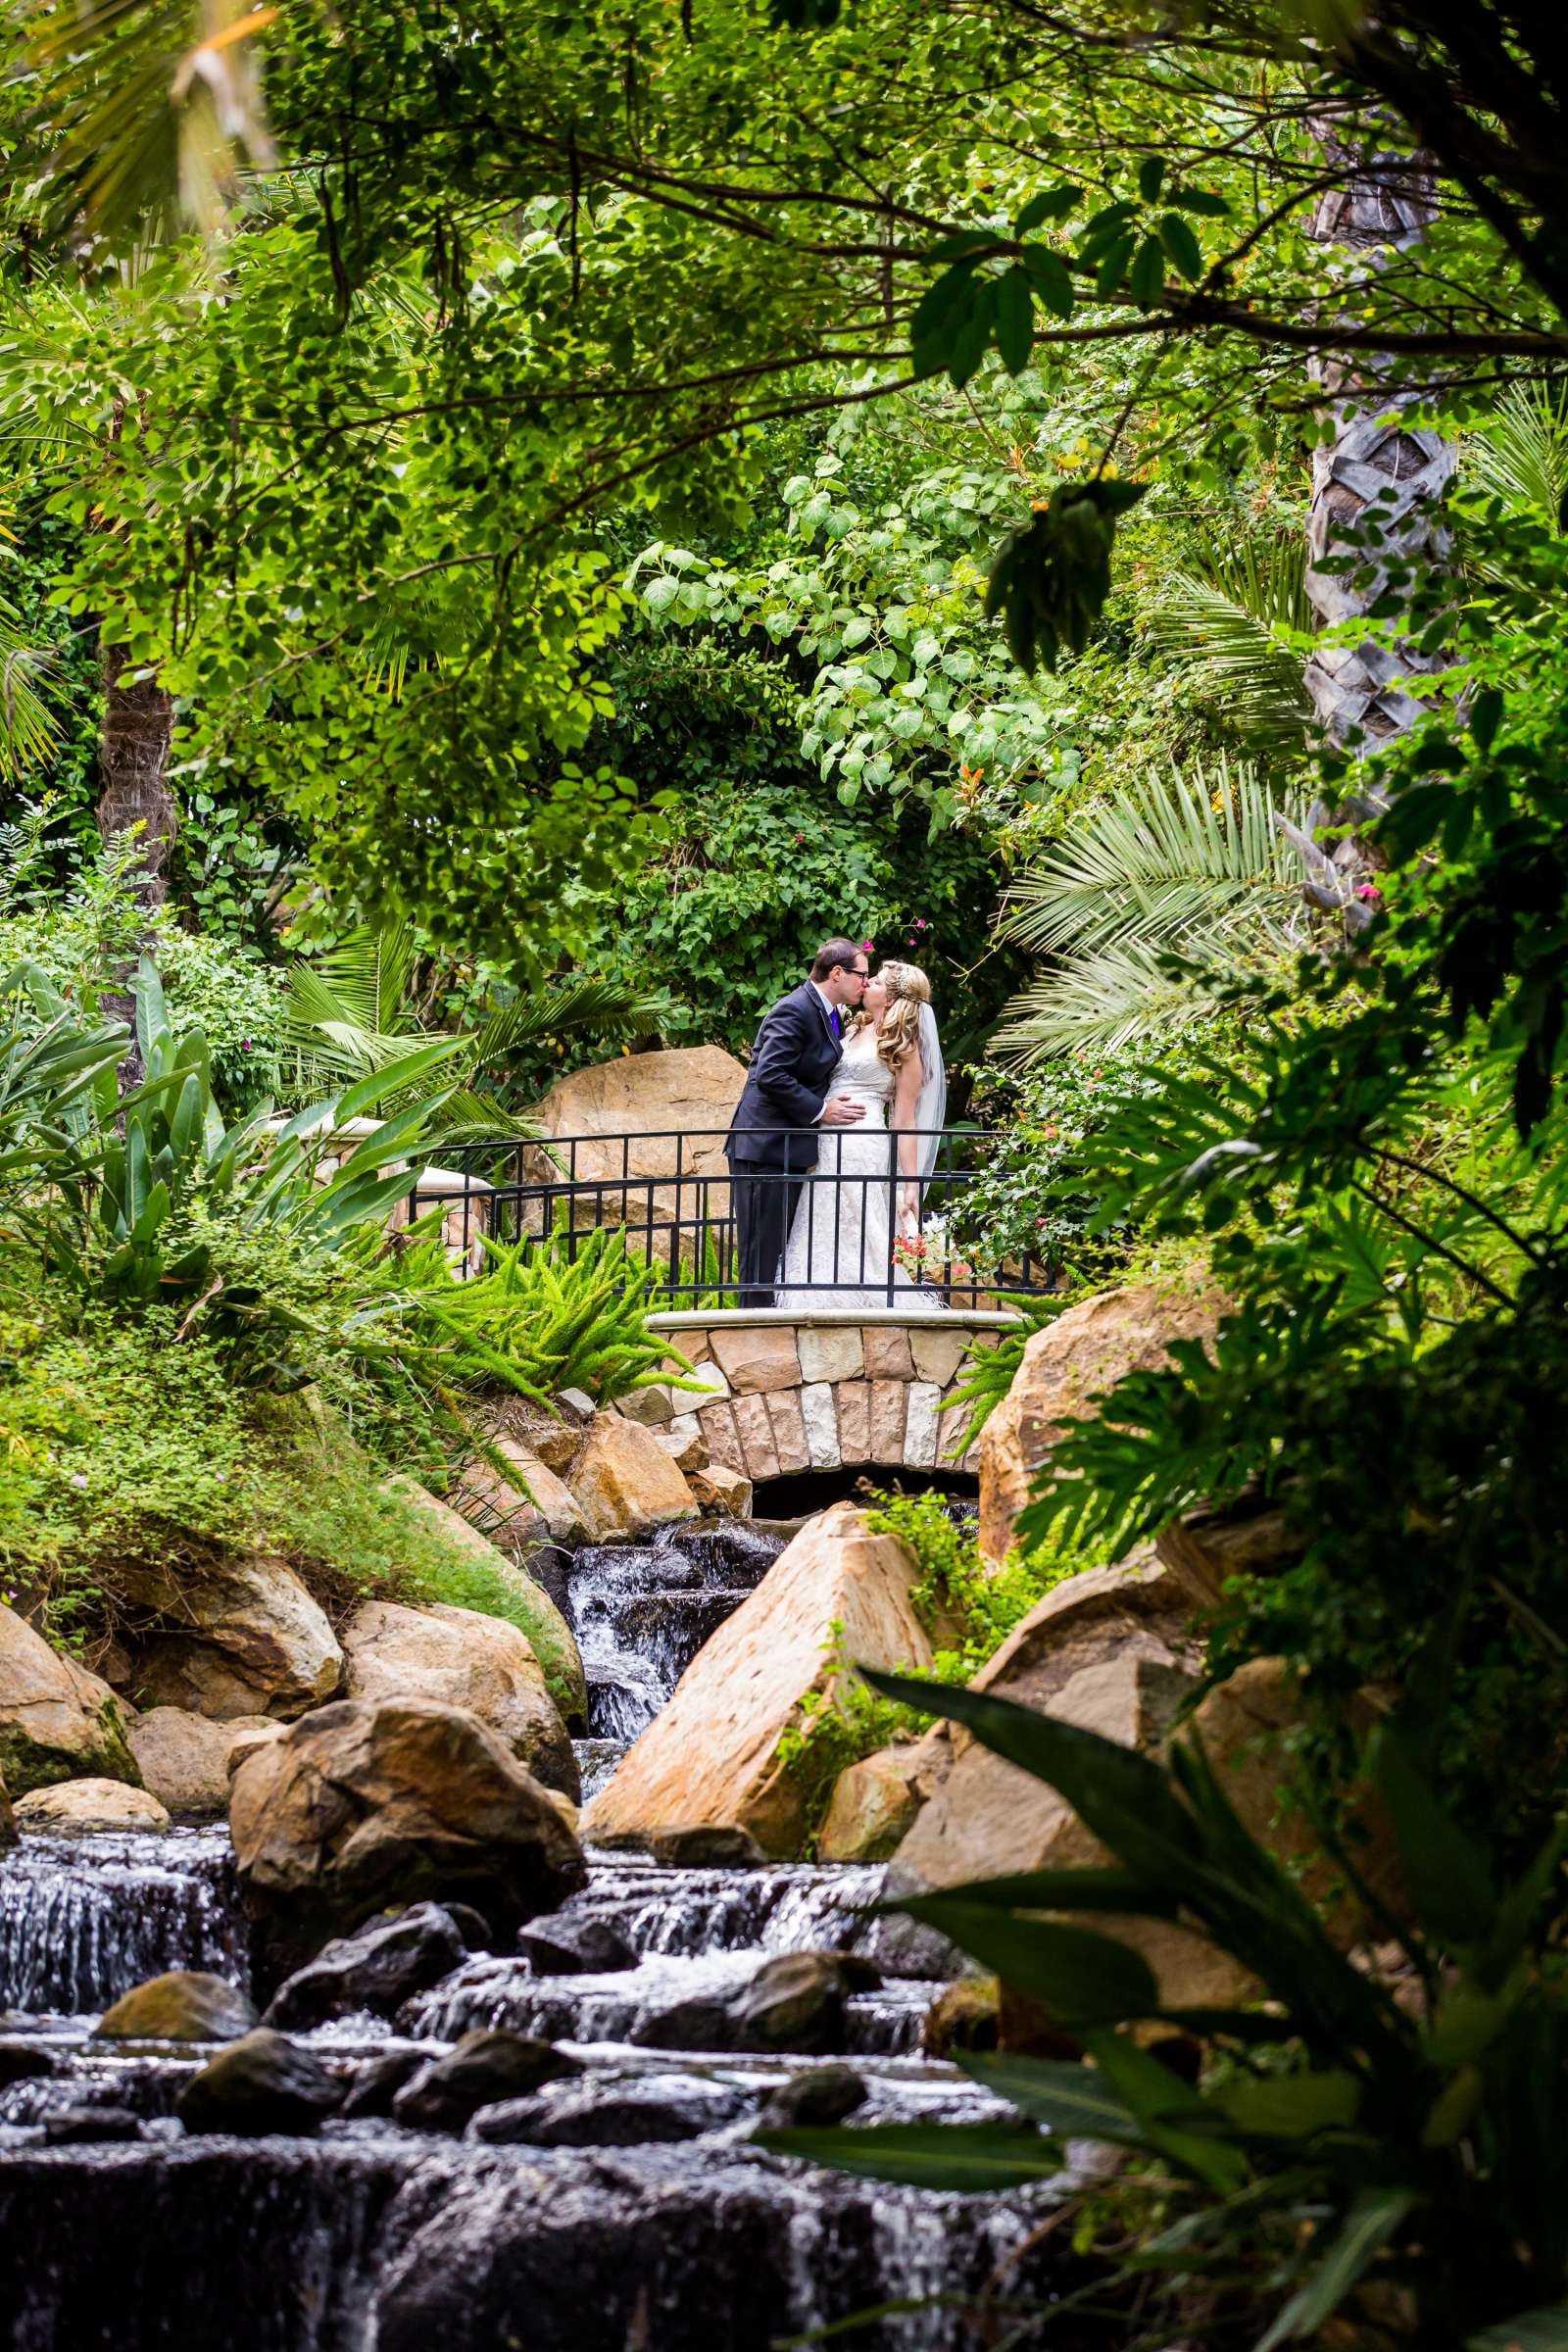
784,1396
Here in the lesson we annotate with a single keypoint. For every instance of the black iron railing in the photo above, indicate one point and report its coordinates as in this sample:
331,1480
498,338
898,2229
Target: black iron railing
862,1233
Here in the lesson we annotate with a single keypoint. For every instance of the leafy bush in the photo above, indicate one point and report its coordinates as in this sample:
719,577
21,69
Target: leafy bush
1393,2160
967,1606
543,1317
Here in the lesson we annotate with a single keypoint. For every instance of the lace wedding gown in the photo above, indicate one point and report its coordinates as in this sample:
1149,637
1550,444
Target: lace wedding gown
842,1235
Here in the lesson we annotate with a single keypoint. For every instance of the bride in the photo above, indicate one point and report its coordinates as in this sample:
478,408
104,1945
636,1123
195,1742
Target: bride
842,1235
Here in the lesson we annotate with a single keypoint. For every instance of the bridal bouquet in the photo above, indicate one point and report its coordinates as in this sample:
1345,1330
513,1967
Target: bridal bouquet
926,1256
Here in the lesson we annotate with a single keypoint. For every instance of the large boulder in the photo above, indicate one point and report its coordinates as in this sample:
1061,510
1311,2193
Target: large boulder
385,1964
550,1637
462,1659
627,1484
91,1805
240,1636
677,1101
710,1762
366,1806
57,1721
183,1758
1084,1351
1106,1651
184,2004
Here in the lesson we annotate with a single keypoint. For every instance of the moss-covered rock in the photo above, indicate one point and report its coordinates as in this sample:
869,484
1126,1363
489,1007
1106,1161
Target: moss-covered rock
482,1578
57,1721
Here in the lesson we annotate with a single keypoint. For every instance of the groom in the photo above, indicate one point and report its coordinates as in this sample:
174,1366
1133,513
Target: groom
795,1056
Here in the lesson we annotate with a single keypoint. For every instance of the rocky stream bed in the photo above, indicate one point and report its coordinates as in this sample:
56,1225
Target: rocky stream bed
621,2206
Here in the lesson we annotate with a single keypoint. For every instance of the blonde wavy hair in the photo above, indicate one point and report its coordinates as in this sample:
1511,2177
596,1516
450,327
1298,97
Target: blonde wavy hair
908,990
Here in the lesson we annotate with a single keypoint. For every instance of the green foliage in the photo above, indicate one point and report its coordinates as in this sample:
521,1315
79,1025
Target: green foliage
1340,2142
541,1317
1050,578
353,1010
968,1607
969,1604
1141,901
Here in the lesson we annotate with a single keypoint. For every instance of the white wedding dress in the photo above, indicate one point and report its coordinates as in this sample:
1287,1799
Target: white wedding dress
842,1232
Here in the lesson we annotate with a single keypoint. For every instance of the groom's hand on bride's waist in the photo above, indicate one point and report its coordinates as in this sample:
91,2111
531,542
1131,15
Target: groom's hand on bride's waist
840,1111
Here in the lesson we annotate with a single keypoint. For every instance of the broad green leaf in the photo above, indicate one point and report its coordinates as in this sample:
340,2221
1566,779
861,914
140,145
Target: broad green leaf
1449,1884
1050,279
1179,2124
1145,281
1052,204
1083,1978
1150,177
1354,2246
407,1070
1075,2102
1532,2332
1291,2106
972,2157
1179,241
1014,308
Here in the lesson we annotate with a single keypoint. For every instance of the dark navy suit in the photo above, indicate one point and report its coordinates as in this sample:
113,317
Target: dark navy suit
793,1060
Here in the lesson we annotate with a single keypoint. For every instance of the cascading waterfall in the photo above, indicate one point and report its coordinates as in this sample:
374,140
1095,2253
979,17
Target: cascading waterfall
374,2238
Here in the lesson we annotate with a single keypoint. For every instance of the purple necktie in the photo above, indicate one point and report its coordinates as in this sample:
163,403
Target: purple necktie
838,1025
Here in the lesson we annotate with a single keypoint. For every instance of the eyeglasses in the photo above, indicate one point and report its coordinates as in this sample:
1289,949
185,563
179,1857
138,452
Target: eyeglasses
858,971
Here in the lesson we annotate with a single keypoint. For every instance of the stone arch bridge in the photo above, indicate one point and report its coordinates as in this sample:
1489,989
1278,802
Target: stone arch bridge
838,1390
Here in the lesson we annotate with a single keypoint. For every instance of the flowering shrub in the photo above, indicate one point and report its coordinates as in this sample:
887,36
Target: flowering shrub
1037,1193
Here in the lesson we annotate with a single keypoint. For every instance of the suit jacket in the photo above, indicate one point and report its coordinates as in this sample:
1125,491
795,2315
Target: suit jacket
793,1060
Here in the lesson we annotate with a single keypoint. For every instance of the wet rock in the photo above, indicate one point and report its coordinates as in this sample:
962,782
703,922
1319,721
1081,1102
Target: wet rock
626,1483
365,1806
518,1421
57,1721
462,1659
80,2126
573,1945
262,2082
184,2004
478,1934
90,1805
26,2061
245,1638
819,2098
963,2017
185,1758
482,2069
387,1962
550,1637
711,1759
8,1819
1080,1353
376,2083
590,2114
794,2002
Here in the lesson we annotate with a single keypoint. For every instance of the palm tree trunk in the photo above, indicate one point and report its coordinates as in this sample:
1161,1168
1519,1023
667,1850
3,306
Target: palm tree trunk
138,726
1376,455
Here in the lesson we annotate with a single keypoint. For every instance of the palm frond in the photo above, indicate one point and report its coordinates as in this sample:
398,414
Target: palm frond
1230,625
149,109
1193,867
1521,455
29,729
565,1009
1199,847
1097,1002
